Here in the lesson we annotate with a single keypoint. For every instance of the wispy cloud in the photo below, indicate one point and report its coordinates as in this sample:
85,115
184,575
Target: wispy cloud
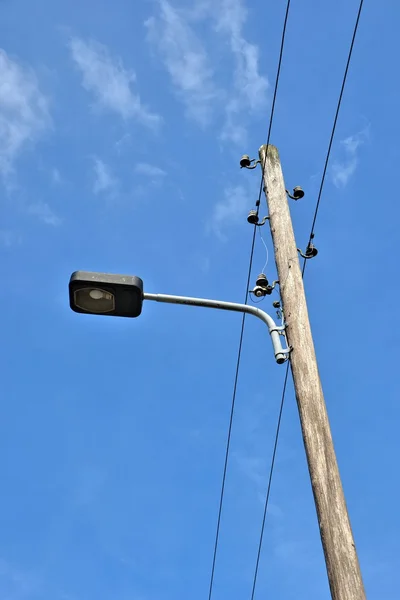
56,176
295,551
185,59
250,87
15,583
229,210
104,181
254,468
149,170
343,170
9,238
110,82
24,112
193,72
123,142
90,482
44,213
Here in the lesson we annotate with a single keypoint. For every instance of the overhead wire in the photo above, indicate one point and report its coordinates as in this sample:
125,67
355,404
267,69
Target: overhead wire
221,500
266,251
303,269
271,472
278,73
244,317
334,128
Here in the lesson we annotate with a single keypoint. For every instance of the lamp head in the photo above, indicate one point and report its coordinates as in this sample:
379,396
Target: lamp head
106,294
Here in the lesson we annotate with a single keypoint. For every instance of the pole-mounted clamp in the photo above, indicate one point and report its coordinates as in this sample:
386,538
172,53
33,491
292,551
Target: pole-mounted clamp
281,330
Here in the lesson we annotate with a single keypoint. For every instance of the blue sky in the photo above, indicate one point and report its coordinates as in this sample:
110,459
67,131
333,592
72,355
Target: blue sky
121,129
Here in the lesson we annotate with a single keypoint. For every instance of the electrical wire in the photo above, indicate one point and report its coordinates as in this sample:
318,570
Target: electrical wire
267,253
303,269
244,317
271,472
231,420
278,73
334,127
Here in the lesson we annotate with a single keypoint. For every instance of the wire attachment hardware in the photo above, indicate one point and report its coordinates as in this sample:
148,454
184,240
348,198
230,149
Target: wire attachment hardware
298,193
310,252
252,218
248,163
262,287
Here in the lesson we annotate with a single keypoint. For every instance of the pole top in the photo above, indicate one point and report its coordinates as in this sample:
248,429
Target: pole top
272,151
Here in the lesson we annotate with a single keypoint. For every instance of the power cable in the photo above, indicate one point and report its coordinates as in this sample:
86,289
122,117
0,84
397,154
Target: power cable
244,318
221,500
334,127
278,427
278,73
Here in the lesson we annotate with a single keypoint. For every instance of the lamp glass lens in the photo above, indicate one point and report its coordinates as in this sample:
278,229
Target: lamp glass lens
94,300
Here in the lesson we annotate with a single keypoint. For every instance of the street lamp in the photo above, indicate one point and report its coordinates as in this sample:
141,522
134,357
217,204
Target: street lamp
122,296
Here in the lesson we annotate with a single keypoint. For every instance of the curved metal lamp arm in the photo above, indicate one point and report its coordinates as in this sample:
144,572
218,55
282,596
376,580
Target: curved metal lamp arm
281,354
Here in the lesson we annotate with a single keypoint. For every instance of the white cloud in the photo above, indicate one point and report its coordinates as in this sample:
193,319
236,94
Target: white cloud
56,176
194,73
343,170
185,59
123,141
104,181
149,170
16,583
44,213
254,468
250,87
24,114
229,210
9,238
234,129
111,84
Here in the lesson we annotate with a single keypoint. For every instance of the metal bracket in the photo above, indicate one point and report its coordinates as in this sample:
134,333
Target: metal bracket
264,220
287,352
281,329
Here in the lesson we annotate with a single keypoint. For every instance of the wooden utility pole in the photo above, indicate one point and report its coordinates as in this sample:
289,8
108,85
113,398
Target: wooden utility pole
341,559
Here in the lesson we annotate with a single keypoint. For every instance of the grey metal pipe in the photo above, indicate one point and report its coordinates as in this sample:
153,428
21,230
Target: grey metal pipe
281,354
